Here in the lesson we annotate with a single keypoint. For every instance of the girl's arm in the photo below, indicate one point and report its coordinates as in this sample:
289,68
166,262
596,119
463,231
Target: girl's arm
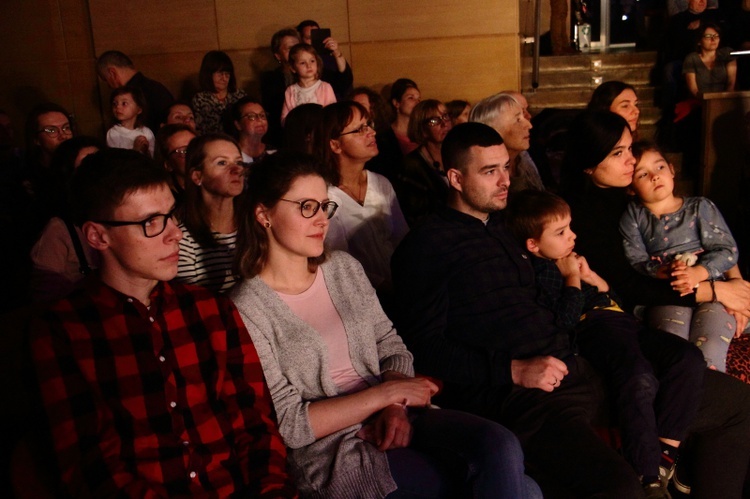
633,245
720,249
731,75
288,102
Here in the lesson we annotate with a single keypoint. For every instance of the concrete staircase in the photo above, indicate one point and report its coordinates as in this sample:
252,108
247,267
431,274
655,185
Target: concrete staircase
567,82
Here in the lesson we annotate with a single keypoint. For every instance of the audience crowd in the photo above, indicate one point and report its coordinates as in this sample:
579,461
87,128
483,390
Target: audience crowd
328,291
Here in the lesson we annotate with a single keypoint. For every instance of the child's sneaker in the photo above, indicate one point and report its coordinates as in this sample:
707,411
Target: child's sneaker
656,490
680,481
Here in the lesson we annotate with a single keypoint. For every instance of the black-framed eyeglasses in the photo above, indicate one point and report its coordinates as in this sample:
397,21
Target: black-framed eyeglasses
54,131
709,36
254,116
309,207
182,151
362,129
438,120
152,226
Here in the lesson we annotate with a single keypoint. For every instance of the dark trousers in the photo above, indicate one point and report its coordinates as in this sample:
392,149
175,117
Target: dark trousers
557,433
653,377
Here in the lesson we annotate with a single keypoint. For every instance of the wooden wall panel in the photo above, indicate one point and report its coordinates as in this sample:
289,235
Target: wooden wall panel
419,19
452,68
250,24
31,31
149,27
76,25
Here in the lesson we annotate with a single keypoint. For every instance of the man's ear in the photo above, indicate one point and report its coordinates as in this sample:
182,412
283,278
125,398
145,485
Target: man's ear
455,179
96,235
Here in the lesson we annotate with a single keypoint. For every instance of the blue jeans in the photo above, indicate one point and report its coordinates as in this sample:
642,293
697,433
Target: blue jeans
454,453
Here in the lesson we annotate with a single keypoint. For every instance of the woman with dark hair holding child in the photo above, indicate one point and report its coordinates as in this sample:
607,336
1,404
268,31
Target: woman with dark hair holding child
356,420
600,163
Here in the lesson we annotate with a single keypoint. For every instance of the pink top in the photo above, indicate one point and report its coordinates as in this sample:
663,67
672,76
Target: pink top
319,93
405,143
314,306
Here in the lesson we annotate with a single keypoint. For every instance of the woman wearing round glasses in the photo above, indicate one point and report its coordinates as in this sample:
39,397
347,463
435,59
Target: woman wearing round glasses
354,417
209,217
423,186
710,68
369,224
251,124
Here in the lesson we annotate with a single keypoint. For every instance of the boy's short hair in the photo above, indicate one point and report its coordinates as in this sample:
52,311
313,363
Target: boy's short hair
529,211
104,179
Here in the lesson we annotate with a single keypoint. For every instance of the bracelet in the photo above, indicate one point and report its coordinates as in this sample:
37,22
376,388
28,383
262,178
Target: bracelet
713,291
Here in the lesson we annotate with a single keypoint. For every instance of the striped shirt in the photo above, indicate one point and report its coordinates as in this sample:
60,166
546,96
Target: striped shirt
160,401
207,267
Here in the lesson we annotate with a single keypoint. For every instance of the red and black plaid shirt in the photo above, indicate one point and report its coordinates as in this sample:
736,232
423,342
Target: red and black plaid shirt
163,401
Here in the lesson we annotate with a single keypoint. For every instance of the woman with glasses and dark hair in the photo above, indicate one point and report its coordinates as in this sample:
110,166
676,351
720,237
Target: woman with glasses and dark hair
423,187
369,224
355,419
210,214
250,126
218,92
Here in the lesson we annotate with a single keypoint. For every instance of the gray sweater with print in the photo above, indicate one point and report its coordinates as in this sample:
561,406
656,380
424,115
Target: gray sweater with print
295,363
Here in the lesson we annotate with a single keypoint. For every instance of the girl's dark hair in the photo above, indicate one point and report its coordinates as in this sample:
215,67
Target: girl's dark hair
305,47
455,108
194,212
138,98
417,129
269,181
591,137
335,118
299,128
606,93
380,111
641,147
399,88
214,61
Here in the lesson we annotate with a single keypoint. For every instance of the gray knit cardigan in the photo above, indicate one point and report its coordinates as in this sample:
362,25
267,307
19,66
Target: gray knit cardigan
295,364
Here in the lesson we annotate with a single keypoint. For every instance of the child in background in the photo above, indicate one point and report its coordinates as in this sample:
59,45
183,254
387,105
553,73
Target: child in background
657,227
306,65
129,132
608,338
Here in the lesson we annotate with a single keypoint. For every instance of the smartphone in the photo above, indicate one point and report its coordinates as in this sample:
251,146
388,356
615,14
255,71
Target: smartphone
317,36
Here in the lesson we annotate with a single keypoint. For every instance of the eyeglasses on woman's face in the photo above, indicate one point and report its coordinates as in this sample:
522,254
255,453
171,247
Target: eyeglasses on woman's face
711,36
362,130
254,116
309,207
438,120
53,131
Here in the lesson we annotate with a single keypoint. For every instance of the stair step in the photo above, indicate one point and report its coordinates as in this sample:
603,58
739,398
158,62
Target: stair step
583,61
637,76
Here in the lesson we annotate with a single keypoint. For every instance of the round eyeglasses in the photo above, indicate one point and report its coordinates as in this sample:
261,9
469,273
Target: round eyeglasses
438,120
255,116
366,127
152,226
182,151
54,131
309,207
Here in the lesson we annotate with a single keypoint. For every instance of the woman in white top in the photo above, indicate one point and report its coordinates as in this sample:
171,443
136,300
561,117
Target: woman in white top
369,222
209,216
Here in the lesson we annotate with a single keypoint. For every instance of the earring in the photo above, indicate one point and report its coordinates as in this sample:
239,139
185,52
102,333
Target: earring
267,225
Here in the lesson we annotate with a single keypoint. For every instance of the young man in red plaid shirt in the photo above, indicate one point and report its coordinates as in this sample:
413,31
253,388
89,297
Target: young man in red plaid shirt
151,389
